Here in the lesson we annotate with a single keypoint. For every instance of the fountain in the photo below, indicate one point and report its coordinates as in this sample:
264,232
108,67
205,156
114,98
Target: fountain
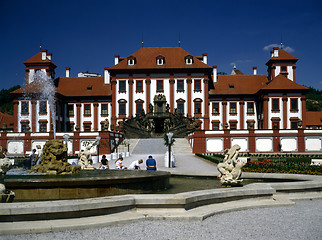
5,195
47,92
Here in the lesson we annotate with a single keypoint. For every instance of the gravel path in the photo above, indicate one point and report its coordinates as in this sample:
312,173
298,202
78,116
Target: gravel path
299,221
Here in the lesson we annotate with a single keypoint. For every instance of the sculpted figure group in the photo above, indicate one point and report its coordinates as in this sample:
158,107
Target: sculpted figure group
231,170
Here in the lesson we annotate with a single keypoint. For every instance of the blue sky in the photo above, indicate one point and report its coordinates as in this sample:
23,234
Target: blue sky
85,35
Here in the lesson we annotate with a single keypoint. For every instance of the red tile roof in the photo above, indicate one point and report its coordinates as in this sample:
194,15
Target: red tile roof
174,58
38,59
238,84
314,118
33,87
72,87
281,82
6,119
83,86
283,56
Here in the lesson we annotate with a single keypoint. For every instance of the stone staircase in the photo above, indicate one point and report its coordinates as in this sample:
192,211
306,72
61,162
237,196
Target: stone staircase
181,146
156,146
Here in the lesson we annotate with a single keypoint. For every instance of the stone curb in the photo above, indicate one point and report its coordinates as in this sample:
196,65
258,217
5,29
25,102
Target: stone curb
99,212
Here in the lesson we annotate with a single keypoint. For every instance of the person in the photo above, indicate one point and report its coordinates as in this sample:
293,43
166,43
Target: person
5,152
27,162
1,153
32,157
39,154
151,164
119,164
136,164
104,163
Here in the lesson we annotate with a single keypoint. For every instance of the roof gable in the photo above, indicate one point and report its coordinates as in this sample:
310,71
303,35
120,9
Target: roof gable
281,82
174,58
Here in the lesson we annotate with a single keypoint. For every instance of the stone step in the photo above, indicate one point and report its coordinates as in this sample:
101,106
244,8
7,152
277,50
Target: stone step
181,146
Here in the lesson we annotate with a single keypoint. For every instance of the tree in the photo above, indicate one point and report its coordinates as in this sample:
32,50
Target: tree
6,100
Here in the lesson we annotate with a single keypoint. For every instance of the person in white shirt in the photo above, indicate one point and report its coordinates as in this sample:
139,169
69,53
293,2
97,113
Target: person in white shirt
136,164
119,164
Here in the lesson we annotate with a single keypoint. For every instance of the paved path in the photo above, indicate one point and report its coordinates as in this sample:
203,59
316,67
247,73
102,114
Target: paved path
188,163
296,222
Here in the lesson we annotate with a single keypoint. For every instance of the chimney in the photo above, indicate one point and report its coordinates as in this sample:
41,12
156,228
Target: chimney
43,54
67,71
107,76
116,61
254,70
49,56
214,73
275,51
204,58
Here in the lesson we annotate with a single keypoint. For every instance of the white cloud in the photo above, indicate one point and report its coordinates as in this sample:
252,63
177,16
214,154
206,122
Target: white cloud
288,49
270,47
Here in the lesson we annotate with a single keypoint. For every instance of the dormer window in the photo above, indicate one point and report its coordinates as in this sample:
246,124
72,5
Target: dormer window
160,60
131,60
189,60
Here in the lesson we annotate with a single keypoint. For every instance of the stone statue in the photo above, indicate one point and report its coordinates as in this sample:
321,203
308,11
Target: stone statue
106,124
85,158
54,159
150,108
231,170
5,166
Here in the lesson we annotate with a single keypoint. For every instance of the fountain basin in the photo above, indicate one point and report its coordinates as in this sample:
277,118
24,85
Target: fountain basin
86,184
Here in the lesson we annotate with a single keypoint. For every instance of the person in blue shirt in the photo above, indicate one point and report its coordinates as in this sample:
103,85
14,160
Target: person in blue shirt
151,164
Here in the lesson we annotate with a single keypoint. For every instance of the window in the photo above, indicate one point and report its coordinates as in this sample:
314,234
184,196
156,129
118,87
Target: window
250,124
250,107
215,108
43,107
87,127
160,60
122,107
215,126
276,125
197,107
233,108
283,69
294,106
70,110
87,109
233,125
180,86
42,127
24,107
180,108
139,86
139,108
69,126
197,85
25,127
159,85
104,110
293,124
189,60
122,86
131,60
275,104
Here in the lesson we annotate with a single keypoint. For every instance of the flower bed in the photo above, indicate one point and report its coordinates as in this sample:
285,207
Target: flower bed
282,166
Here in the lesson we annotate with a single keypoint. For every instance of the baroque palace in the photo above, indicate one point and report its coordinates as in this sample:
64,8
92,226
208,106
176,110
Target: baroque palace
156,89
